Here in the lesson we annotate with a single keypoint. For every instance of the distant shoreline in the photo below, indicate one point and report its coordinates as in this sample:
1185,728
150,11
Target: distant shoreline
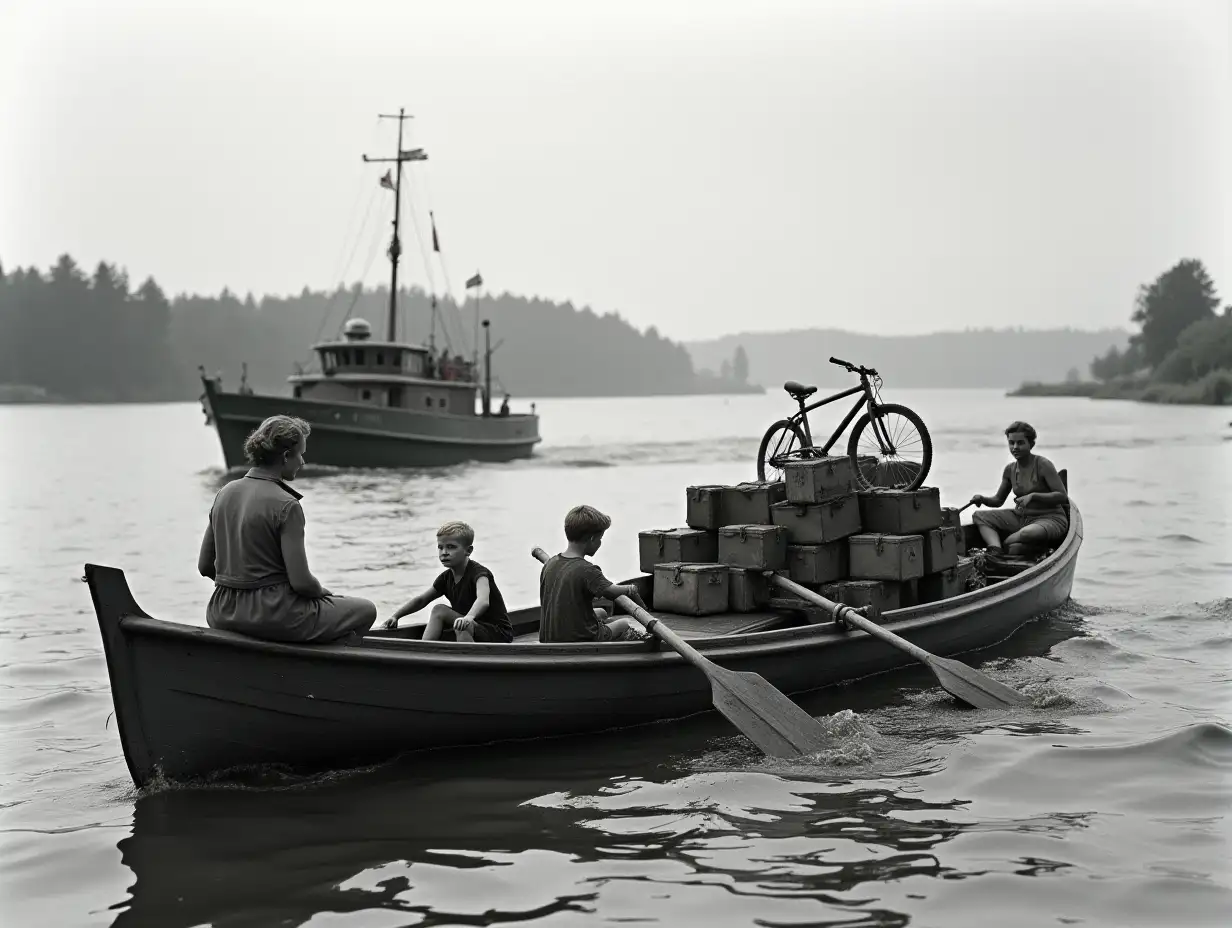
1206,392
24,395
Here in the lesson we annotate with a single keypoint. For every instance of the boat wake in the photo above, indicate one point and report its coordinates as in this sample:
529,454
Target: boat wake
733,450
258,778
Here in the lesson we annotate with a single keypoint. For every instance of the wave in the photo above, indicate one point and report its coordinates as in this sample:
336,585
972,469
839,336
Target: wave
1201,744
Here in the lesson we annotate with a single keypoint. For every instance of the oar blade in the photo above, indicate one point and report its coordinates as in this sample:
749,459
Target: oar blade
764,715
973,687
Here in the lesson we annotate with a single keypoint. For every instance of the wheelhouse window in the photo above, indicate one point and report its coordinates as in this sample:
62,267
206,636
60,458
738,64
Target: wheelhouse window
359,356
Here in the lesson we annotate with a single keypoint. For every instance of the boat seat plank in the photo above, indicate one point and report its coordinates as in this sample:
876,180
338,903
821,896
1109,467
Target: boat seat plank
705,626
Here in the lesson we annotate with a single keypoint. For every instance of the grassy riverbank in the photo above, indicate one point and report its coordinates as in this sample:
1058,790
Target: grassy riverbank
1214,389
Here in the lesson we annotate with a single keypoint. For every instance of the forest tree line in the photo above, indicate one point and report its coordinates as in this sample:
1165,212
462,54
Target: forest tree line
1181,353
96,337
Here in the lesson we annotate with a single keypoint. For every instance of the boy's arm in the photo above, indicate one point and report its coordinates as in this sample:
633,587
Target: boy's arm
628,589
414,604
599,585
483,594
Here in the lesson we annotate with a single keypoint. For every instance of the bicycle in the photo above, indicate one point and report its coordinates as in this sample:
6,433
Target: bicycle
885,460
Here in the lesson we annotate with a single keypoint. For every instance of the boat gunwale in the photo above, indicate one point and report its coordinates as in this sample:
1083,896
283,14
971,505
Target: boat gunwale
514,656
355,429
213,391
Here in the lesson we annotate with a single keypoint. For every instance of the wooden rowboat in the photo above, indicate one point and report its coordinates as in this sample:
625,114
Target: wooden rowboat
191,701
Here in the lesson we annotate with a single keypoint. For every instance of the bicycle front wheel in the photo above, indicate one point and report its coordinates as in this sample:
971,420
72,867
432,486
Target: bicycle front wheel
895,452
782,442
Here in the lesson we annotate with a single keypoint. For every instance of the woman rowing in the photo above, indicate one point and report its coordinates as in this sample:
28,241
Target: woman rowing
1038,519
253,550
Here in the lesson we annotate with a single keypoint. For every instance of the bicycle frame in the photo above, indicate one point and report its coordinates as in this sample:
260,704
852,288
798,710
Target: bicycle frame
867,398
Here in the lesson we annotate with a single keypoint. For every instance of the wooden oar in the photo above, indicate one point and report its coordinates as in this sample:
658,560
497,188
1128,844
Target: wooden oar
956,678
765,716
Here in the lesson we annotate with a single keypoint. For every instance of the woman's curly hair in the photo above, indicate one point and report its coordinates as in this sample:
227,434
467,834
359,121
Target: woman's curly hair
1020,426
273,438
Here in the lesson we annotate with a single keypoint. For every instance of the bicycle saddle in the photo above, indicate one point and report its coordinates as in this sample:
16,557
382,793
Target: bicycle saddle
799,390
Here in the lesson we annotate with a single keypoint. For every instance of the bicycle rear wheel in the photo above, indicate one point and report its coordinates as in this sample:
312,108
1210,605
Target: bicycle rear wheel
782,442
904,465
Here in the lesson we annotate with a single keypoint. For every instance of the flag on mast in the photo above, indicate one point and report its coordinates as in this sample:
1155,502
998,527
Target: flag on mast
436,242
387,182
476,281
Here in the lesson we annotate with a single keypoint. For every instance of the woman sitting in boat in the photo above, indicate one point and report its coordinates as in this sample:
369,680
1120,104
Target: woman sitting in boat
1038,519
253,550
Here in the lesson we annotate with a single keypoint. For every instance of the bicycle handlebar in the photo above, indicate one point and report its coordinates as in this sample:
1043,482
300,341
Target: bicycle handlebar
854,368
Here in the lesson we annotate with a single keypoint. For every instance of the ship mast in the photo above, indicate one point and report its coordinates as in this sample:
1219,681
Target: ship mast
395,244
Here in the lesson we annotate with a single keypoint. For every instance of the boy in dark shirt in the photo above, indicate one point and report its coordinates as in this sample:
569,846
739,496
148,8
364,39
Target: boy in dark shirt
476,608
568,585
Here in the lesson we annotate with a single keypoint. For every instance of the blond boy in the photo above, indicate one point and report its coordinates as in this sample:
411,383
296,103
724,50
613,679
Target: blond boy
476,609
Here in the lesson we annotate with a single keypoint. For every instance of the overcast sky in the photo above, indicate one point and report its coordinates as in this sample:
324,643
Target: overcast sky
709,167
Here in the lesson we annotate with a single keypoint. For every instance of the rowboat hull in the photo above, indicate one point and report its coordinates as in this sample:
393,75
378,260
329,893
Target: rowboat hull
192,701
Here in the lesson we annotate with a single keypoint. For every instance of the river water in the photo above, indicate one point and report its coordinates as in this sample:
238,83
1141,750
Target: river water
1105,804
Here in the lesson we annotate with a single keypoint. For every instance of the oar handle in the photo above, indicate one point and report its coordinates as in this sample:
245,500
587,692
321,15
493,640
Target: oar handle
652,625
848,615
968,506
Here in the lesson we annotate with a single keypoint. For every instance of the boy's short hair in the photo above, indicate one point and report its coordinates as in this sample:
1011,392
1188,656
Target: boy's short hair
457,530
582,522
1020,426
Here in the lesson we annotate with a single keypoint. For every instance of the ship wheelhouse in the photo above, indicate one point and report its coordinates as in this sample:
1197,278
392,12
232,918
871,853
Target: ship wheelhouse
387,374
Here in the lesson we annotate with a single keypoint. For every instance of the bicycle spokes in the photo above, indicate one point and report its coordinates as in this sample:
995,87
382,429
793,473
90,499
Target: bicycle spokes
898,447
783,447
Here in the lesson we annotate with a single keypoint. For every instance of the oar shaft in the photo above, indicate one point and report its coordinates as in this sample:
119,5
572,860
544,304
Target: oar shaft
654,627
849,615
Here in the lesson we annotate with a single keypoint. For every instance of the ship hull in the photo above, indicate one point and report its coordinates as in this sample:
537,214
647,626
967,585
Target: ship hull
353,435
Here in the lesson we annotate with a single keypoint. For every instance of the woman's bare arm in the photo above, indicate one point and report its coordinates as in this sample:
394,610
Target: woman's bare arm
205,559
1056,494
295,557
999,497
